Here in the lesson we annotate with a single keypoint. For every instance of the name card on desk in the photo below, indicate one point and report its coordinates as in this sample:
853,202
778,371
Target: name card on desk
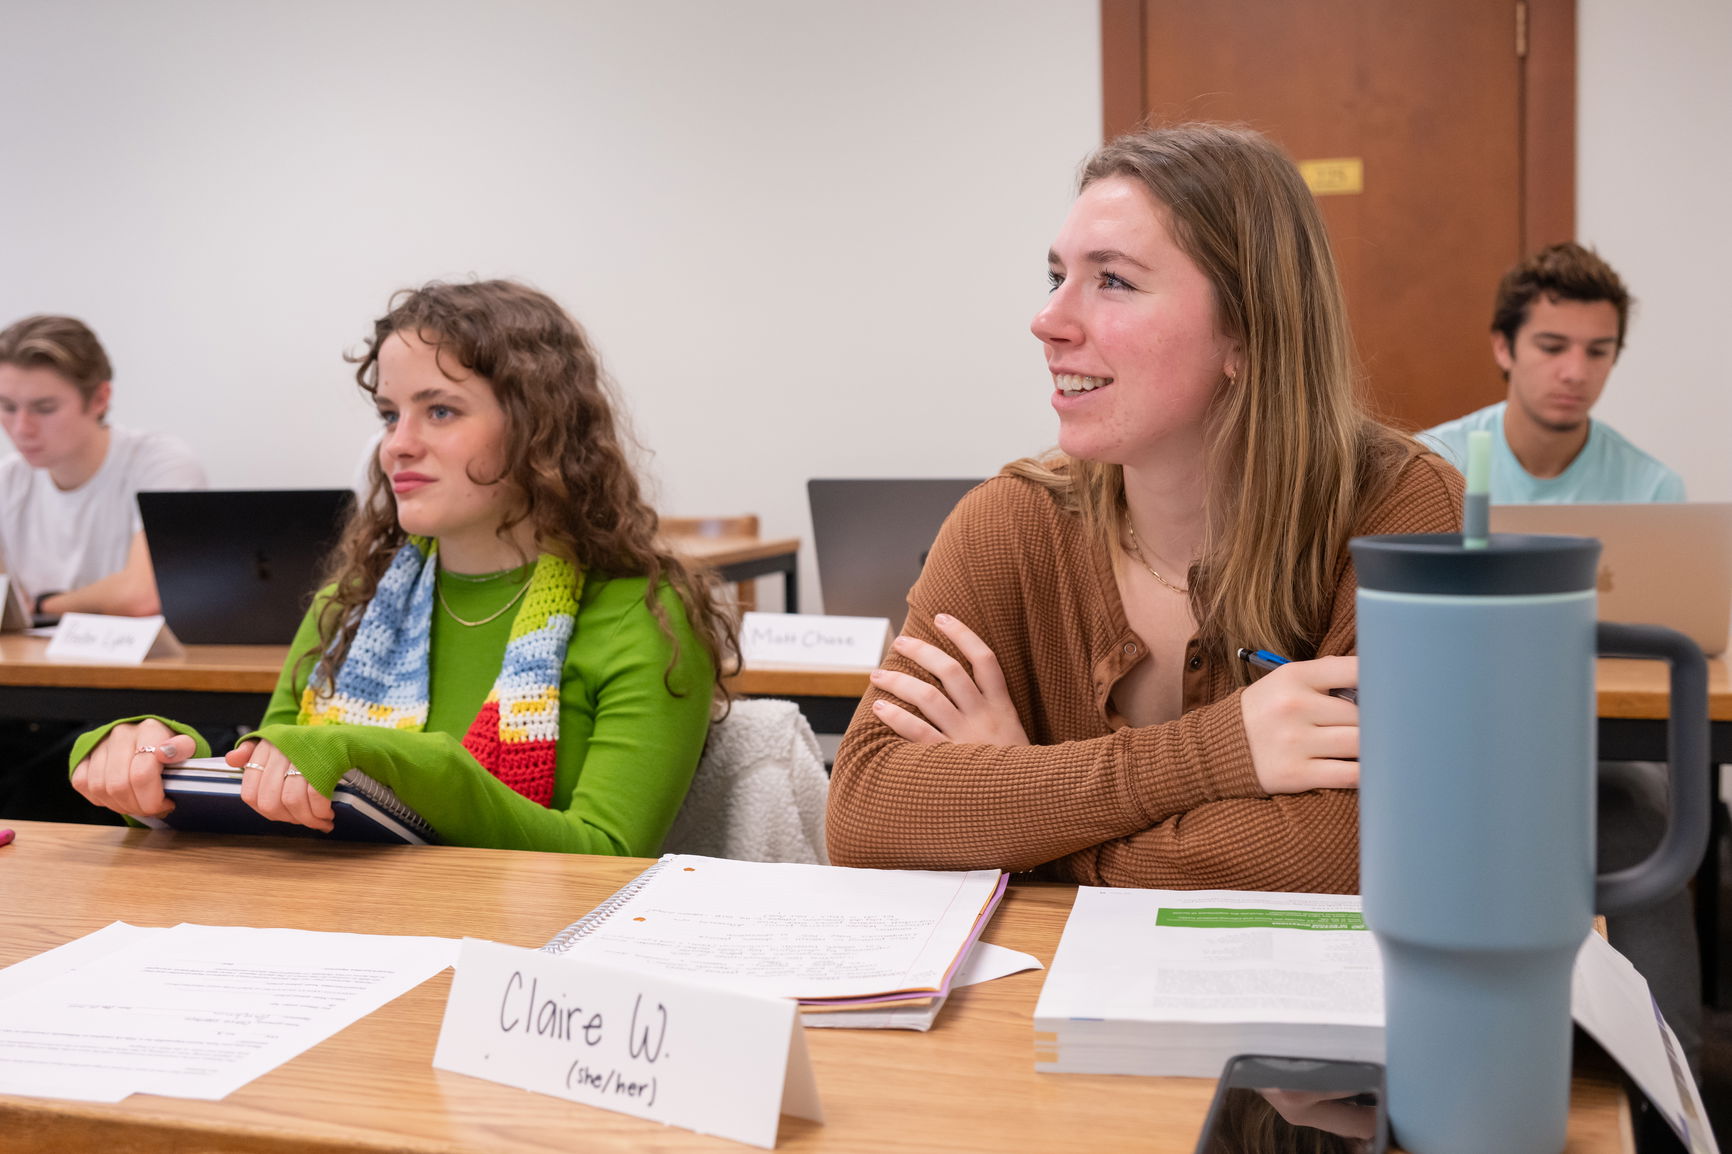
14,614
807,639
714,1061
115,640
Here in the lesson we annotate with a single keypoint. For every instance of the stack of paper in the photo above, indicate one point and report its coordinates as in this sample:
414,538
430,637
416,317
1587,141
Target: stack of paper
1177,982
832,938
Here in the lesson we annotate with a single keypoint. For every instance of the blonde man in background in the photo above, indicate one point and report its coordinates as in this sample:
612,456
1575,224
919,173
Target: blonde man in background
69,520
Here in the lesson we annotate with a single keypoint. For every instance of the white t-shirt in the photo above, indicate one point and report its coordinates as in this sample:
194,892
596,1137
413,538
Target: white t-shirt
53,541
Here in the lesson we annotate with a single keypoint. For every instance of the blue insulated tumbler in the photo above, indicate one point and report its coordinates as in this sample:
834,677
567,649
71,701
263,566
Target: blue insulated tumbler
1477,737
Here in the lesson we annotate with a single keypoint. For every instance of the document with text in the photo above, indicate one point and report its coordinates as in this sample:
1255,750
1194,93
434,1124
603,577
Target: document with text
192,1011
794,931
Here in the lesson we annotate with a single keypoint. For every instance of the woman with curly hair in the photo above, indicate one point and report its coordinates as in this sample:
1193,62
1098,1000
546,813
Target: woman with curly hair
503,642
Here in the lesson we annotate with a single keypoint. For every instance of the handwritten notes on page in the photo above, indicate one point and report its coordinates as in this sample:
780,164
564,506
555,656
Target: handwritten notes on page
192,1011
711,1060
816,933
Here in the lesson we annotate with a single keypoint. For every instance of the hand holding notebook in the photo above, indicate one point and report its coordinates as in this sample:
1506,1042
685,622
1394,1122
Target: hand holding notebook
206,792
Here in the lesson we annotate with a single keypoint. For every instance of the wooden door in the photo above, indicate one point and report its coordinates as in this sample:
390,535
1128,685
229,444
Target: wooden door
1460,115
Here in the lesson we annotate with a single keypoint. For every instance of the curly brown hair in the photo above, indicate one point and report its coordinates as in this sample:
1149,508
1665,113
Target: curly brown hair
563,456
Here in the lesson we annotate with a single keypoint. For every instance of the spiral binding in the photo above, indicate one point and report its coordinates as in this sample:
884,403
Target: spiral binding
382,796
586,925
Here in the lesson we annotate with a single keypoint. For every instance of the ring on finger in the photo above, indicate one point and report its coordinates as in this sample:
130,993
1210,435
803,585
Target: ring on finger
145,749
293,772
252,765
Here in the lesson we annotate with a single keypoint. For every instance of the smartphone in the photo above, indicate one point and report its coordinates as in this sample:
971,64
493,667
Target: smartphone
1267,1105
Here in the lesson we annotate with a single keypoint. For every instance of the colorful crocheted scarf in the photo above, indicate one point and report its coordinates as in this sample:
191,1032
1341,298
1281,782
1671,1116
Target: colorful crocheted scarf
383,680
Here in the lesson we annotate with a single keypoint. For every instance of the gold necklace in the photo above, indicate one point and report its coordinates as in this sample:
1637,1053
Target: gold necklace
1136,551
493,616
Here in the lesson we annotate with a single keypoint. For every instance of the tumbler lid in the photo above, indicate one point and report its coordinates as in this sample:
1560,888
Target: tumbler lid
1511,564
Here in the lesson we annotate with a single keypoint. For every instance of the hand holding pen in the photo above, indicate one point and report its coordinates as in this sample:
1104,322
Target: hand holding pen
1301,723
1264,660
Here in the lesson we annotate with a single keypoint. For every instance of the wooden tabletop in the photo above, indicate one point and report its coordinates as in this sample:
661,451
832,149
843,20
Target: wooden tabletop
1637,689
719,551
254,669
1626,689
969,1084
204,668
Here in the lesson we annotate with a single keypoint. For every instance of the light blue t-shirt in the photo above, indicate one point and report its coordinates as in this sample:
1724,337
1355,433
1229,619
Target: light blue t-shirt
1608,469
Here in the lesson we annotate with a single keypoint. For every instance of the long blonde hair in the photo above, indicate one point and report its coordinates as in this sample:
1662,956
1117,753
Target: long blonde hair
1292,454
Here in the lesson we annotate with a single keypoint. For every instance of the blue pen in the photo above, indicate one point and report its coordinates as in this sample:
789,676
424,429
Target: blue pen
1264,660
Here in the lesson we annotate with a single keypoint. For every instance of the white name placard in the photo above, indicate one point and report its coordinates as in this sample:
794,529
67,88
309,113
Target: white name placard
117,640
12,609
714,1061
808,639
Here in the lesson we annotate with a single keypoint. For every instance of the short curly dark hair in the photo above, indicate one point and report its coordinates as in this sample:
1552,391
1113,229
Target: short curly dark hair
1562,272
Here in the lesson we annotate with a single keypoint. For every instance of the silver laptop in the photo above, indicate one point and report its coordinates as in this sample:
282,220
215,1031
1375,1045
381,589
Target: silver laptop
1660,564
872,537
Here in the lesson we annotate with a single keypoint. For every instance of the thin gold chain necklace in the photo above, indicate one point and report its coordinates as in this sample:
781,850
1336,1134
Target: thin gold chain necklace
477,578
1136,551
493,616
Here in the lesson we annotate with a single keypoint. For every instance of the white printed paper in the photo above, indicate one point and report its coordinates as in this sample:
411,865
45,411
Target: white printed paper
111,640
810,639
714,1061
196,1011
794,931
984,963
1612,1002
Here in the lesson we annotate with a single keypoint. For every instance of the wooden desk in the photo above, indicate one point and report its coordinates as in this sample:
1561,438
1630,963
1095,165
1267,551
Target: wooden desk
1632,706
219,684
233,683
744,558
967,1085
827,697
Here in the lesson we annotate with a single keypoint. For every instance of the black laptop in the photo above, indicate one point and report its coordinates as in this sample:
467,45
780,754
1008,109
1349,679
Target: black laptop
872,537
240,566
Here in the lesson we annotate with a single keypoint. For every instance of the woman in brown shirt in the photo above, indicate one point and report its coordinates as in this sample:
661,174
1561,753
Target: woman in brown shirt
1065,691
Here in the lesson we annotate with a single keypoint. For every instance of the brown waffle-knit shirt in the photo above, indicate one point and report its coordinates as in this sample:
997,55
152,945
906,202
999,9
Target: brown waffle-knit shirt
1174,805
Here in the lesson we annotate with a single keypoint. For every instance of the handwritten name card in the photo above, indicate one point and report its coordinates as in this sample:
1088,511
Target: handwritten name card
116,640
808,639
713,1061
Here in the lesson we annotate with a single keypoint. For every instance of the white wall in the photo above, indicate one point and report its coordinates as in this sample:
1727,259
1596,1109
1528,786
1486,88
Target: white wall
807,236
1655,105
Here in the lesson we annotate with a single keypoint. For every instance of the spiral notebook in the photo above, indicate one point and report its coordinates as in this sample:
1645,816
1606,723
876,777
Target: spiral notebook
207,799
826,936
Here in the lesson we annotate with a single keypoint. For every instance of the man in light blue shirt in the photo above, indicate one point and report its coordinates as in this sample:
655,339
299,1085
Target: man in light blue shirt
1557,329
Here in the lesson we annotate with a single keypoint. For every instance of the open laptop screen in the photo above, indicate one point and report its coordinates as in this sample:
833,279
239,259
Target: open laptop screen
872,536
1660,563
240,567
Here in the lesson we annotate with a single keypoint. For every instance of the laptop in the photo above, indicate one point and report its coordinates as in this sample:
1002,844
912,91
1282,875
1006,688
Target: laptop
240,567
872,537
1660,564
